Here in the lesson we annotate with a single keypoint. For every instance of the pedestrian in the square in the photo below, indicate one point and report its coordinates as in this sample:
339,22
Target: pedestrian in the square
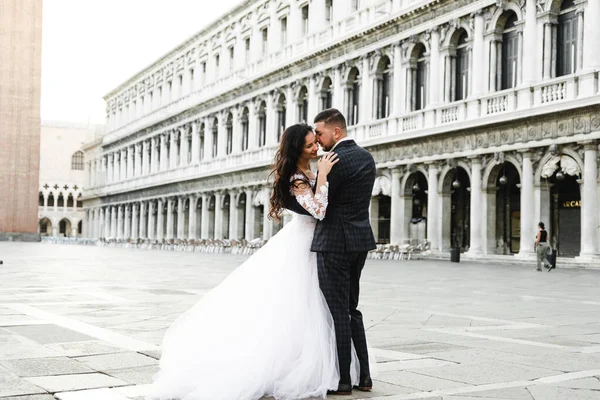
541,247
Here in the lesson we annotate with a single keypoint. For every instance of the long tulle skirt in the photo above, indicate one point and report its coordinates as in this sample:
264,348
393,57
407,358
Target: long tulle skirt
265,330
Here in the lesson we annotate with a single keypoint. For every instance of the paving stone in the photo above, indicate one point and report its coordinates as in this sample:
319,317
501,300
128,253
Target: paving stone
545,392
76,349
12,385
134,376
117,361
30,397
63,383
418,381
46,334
45,366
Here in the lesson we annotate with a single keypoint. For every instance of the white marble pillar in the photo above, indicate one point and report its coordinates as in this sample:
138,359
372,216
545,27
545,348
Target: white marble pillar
271,120
222,136
170,204
184,153
478,71
99,232
398,82
528,226
237,131
151,221
218,215
208,138
173,156
435,68
124,165
267,223
548,51
475,208
337,100
143,230
137,170
181,234
233,214
433,200
396,221
252,127
74,228
530,43
249,214
366,104
120,221
127,221
313,99
589,202
108,222
195,143
160,219
145,170
113,222
205,216
192,217
591,55
154,154
135,222
117,167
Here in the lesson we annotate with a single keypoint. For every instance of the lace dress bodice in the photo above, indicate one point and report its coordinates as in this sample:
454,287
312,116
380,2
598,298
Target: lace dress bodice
315,203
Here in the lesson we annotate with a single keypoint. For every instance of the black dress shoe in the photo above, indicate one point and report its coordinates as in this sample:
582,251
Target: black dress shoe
343,389
364,384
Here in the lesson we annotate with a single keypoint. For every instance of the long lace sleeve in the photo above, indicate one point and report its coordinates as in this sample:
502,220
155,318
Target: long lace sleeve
314,203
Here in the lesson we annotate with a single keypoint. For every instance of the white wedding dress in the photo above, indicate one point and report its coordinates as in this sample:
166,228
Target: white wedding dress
265,330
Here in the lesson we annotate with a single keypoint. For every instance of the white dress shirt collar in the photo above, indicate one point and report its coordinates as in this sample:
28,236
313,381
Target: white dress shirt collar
340,141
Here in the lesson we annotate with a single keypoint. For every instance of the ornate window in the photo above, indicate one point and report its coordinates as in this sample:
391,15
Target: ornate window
326,94
305,20
201,144
77,161
382,88
510,53
245,129
353,96
566,60
229,128
215,137
303,104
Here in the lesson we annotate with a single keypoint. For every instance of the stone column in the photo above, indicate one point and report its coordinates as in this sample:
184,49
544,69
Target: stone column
365,106
205,215
493,65
108,222
267,223
99,232
195,143
91,173
530,43
170,234
154,159
183,154
589,202
119,233
396,221
135,224
127,217
252,127
271,120
338,92
528,226
433,217
218,215
143,231
237,130
208,138
233,214
434,68
397,82
591,55
124,164
164,156
173,136
74,228
249,215
181,217
113,222
151,220
160,220
547,51
222,136
192,221
476,217
117,167
479,61
138,159
145,170
313,99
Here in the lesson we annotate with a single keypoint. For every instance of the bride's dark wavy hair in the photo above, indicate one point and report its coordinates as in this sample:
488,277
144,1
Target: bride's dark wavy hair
285,165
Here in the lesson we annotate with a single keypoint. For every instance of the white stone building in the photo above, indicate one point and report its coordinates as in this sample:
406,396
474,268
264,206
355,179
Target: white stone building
482,116
62,177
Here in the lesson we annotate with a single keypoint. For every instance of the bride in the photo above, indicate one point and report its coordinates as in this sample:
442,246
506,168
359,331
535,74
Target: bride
266,329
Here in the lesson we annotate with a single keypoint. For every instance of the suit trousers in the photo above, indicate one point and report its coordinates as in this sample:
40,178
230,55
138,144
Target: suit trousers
339,277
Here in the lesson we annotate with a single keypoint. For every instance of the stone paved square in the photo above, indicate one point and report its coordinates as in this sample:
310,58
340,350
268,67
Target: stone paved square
84,322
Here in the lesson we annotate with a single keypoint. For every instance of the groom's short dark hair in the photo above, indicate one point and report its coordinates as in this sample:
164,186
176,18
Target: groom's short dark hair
332,116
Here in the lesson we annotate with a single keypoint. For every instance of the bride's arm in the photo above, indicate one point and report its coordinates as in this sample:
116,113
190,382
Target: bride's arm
315,204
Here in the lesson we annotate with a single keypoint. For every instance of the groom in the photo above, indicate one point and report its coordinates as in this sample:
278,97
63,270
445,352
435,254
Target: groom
342,241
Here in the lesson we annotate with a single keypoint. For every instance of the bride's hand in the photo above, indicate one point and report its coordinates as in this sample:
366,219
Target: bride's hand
327,162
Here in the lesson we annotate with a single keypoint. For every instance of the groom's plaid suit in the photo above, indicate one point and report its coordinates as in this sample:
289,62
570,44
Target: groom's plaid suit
342,241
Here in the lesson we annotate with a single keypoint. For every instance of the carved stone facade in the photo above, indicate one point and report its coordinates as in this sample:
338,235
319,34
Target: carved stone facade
477,133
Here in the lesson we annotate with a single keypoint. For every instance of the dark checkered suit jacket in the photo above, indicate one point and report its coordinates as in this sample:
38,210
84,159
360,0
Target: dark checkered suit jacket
346,227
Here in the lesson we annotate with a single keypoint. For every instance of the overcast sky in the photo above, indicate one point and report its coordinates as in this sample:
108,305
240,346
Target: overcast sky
91,46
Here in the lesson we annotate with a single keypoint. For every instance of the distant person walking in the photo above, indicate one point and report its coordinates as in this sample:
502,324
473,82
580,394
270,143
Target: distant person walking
542,247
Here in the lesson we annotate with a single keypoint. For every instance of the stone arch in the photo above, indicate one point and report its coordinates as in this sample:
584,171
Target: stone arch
492,170
455,33
45,226
446,176
408,179
548,156
352,71
64,227
383,185
502,15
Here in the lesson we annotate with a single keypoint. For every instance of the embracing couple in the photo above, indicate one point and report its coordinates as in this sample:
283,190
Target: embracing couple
285,323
